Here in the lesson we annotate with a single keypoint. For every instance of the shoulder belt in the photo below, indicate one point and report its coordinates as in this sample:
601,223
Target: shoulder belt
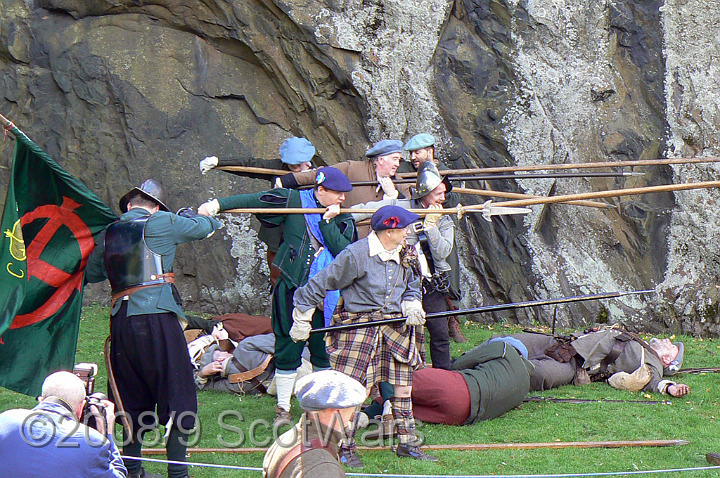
298,450
250,374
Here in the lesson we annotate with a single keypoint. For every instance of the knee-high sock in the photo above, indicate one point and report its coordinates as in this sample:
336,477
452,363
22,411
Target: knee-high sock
285,381
404,421
176,446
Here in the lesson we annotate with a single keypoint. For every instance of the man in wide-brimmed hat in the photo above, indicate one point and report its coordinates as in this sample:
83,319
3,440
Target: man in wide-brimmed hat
137,255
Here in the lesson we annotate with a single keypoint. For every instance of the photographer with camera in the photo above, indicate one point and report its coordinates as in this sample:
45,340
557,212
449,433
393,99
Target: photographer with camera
51,439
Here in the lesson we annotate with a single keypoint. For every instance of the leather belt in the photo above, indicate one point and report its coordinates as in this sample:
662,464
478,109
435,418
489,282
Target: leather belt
168,277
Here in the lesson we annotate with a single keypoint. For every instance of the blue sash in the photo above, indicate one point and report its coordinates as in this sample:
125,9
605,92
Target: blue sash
307,198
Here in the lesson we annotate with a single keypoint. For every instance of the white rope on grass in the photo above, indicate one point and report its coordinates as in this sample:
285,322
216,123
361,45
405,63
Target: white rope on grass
190,463
387,475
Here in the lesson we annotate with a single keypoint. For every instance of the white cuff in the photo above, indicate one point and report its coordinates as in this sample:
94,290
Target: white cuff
663,385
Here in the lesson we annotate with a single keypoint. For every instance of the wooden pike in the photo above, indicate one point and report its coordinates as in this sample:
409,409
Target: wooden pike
503,194
465,447
555,167
518,203
606,194
253,170
511,169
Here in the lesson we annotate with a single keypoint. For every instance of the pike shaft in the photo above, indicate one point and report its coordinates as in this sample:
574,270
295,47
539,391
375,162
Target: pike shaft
484,309
491,177
464,446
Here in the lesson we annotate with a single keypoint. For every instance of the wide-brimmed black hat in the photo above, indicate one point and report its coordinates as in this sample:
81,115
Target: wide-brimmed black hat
149,189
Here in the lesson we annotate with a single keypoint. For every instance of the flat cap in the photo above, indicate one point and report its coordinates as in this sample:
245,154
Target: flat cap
419,141
296,150
329,389
332,178
386,146
392,217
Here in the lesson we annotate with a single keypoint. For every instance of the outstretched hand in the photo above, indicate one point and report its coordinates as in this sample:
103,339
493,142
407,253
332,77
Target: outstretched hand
678,390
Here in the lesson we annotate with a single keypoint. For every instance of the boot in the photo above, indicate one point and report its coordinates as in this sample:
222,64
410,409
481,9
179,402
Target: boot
282,417
348,456
454,329
407,450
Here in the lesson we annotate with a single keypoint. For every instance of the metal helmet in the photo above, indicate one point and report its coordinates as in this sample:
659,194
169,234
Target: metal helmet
150,189
428,178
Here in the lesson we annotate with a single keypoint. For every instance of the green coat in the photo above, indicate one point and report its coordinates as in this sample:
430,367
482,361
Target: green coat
295,253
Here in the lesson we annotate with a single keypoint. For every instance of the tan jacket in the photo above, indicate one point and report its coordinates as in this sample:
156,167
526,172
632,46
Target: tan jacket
355,171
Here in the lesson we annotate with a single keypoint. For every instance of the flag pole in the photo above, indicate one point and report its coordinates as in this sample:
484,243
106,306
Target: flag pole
6,123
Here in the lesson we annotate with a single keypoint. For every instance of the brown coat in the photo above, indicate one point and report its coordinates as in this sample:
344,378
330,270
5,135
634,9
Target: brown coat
355,171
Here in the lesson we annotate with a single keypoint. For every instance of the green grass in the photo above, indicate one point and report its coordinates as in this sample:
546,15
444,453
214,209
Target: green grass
692,418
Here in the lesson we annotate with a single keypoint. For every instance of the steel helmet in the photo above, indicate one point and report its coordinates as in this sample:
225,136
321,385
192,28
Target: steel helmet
150,189
428,178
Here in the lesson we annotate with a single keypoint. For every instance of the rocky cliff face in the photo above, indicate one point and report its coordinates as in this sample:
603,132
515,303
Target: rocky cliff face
124,90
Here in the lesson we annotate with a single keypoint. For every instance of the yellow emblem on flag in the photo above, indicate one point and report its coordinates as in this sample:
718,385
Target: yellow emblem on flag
17,247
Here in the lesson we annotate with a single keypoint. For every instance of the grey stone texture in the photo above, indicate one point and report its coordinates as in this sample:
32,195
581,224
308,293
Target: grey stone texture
118,91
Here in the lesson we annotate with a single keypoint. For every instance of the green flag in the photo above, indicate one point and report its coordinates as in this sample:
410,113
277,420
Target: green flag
46,236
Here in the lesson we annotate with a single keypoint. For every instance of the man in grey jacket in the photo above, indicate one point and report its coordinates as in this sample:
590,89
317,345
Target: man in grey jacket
601,354
434,241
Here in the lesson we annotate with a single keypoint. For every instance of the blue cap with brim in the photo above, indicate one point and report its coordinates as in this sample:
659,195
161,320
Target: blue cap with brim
332,178
329,389
419,141
392,217
296,150
386,146
519,346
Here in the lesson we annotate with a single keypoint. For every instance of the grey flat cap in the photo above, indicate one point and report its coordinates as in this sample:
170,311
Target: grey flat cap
329,389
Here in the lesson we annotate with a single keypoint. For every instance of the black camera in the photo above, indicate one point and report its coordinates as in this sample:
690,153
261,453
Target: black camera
94,411
86,372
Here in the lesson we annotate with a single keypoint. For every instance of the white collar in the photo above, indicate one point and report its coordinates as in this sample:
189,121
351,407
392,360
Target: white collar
377,249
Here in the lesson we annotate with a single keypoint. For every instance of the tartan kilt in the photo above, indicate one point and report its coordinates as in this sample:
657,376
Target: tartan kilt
386,353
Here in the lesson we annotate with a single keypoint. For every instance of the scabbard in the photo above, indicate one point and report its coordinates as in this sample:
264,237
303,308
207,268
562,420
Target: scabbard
119,407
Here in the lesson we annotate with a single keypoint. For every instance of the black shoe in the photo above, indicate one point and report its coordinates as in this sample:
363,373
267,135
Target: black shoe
348,456
413,451
144,474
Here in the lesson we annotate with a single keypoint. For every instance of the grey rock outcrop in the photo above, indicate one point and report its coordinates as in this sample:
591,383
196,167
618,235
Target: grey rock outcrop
124,90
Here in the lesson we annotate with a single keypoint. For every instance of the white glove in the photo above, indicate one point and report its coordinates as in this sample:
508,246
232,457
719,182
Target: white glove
278,183
388,187
331,212
431,220
210,208
208,163
413,311
301,327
